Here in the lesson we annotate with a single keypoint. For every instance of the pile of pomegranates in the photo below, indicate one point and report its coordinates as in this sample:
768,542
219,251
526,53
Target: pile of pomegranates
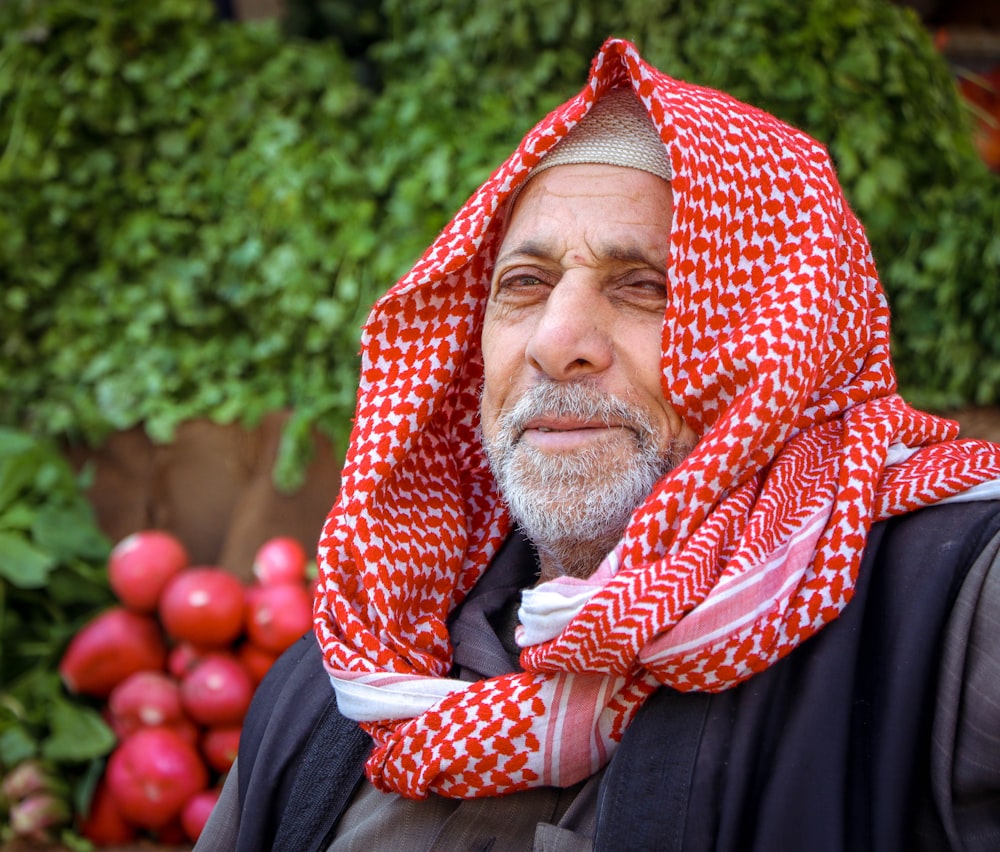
174,666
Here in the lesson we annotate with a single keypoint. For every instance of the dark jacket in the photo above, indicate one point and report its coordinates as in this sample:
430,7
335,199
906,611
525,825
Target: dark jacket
829,749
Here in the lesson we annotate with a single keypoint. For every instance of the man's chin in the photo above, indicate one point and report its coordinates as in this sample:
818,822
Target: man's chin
574,506
575,495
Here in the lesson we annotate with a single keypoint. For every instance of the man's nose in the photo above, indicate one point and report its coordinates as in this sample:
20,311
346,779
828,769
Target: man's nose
572,337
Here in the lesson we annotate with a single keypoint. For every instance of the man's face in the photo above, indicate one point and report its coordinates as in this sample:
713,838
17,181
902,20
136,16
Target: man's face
573,417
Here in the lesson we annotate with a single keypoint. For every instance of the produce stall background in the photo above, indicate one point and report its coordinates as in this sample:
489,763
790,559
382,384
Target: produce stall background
200,201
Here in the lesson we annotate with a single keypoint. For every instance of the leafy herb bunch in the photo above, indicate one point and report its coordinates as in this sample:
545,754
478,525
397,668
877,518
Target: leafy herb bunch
182,221
52,580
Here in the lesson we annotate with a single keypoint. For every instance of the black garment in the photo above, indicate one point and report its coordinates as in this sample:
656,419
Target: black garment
826,750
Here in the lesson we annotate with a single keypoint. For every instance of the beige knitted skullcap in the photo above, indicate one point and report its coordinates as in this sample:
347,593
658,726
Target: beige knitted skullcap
617,131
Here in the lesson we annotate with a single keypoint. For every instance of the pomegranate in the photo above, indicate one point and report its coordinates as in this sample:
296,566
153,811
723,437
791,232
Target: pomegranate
203,605
104,824
183,657
152,774
172,834
219,747
109,648
280,560
278,615
256,660
145,699
140,566
187,729
217,691
196,811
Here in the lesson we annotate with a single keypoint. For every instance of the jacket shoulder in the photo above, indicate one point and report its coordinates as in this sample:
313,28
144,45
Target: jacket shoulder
286,738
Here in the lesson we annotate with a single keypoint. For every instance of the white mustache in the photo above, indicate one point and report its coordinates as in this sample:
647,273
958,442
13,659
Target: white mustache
574,400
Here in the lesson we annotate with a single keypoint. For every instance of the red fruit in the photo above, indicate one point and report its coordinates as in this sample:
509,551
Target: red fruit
140,566
108,649
152,774
187,730
104,824
278,615
173,833
218,691
203,606
280,560
256,660
183,657
219,747
196,811
144,700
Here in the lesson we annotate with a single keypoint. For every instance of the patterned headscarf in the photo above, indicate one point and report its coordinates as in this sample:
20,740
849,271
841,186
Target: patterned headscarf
775,351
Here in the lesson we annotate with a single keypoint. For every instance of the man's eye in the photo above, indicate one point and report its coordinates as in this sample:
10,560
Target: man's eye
648,287
519,282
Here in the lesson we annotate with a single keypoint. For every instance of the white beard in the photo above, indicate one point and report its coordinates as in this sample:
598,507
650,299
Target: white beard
575,506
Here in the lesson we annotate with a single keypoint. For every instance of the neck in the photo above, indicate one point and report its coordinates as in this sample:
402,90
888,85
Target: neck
572,557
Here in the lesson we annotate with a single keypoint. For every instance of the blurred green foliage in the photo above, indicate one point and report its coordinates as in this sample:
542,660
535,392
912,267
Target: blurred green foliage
53,579
184,218
196,215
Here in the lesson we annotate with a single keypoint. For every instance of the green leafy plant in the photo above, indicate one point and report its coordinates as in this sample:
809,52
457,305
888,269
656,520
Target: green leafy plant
182,219
52,579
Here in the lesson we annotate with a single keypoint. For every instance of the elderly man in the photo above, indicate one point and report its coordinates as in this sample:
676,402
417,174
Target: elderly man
636,545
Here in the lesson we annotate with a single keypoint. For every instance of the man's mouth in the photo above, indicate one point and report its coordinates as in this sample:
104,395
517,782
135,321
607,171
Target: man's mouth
556,418
566,434
562,424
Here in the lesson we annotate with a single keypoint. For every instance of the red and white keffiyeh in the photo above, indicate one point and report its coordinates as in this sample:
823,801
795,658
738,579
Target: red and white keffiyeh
776,352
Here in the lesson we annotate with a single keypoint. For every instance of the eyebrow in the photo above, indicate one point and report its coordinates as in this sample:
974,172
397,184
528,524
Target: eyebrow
529,249
631,255
533,248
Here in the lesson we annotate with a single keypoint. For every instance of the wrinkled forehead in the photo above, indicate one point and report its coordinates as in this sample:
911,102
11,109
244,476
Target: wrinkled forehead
583,213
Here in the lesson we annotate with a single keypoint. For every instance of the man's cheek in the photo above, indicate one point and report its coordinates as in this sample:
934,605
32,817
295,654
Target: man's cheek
487,416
